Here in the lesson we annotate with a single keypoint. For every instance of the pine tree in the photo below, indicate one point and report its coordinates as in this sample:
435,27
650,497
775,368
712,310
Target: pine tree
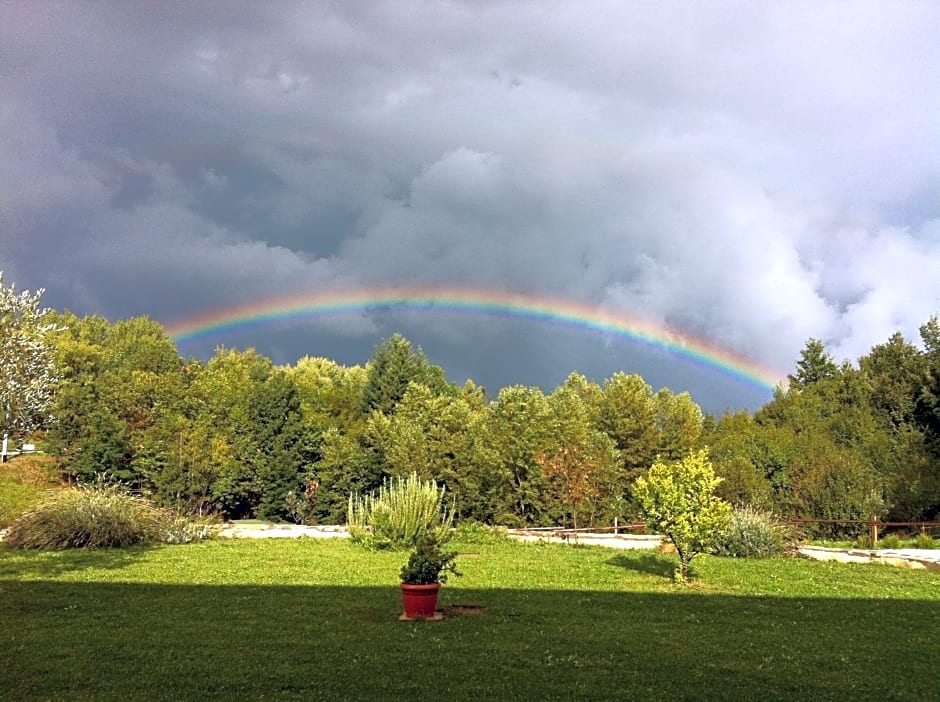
814,366
395,364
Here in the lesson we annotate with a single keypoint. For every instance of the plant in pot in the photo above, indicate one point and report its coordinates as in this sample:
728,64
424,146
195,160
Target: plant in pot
421,577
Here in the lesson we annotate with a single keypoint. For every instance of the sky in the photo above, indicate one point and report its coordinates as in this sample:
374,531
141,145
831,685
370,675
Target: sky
747,175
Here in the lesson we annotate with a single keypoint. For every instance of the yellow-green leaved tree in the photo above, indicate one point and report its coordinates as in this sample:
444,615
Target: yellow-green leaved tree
678,500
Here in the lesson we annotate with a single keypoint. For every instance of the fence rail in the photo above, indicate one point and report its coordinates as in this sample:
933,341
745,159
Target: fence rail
616,529
873,524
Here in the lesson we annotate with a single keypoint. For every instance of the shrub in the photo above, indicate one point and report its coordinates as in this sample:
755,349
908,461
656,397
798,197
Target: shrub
300,507
97,517
403,510
473,532
751,533
891,541
100,517
924,540
184,529
428,563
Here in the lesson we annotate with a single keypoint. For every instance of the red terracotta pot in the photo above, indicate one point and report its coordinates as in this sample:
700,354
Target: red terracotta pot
420,600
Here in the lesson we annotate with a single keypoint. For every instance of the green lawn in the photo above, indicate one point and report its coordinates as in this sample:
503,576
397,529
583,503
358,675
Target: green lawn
317,619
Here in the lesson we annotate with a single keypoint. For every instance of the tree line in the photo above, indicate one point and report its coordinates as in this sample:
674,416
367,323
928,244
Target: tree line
243,437
842,441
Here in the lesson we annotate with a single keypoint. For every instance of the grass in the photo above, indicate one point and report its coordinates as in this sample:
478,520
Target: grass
317,619
24,481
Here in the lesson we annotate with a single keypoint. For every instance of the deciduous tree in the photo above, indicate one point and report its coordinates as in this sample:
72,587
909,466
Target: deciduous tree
628,416
516,428
437,437
580,462
27,371
678,500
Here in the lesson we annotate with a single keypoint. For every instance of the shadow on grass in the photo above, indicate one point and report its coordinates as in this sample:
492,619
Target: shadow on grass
48,564
151,641
649,562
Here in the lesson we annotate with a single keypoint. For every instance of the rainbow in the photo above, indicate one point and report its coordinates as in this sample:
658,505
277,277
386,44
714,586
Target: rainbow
472,300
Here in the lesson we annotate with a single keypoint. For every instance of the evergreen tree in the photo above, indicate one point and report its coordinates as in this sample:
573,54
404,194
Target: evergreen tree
814,366
897,372
395,364
283,447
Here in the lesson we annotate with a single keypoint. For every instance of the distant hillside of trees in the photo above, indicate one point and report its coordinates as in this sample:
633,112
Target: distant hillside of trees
242,437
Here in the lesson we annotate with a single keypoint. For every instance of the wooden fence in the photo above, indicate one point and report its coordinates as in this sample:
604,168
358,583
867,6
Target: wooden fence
873,525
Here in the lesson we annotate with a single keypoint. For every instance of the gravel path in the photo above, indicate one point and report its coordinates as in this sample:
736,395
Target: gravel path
237,530
917,558
907,558
254,530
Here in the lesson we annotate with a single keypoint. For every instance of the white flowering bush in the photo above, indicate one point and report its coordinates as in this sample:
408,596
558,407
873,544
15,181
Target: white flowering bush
27,368
751,533
403,511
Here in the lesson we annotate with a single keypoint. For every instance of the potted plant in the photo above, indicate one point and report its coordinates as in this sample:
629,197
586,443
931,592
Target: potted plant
421,577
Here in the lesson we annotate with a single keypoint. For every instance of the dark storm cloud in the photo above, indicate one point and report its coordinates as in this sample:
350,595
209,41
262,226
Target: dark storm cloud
750,174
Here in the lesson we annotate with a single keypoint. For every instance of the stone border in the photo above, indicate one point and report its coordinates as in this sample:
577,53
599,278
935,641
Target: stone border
917,559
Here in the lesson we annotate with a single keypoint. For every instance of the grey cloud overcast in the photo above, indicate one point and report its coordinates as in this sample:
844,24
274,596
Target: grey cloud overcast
750,173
